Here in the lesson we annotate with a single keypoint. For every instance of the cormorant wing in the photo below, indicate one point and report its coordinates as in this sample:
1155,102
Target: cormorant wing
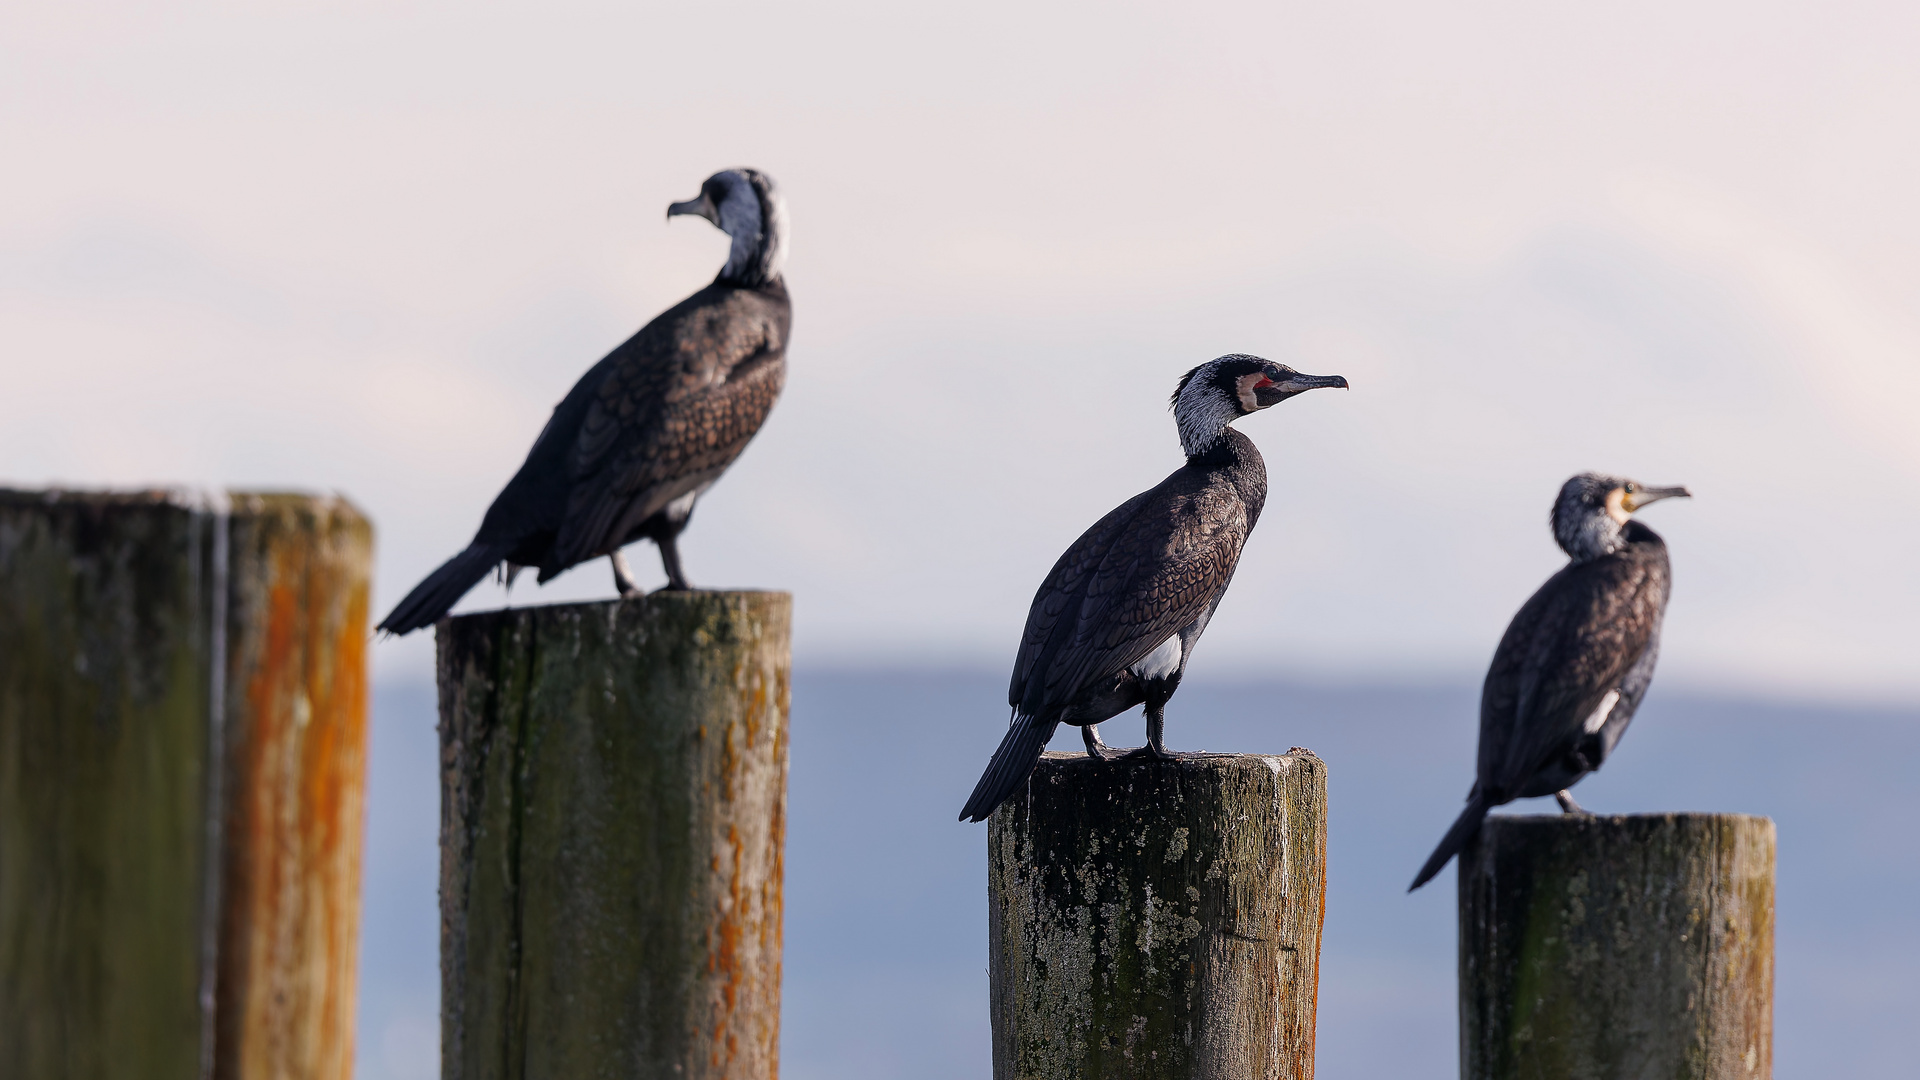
1572,642
674,407
1142,573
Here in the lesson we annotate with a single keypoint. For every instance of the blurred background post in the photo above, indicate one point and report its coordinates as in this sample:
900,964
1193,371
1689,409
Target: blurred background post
183,725
1603,947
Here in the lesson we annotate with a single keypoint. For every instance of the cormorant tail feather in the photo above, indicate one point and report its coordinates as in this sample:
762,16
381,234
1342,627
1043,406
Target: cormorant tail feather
1464,826
443,588
1011,764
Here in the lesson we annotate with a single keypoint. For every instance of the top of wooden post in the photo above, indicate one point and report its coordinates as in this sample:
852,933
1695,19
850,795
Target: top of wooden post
1158,918
1617,945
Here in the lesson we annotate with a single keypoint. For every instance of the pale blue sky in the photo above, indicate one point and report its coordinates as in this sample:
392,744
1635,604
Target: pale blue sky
366,247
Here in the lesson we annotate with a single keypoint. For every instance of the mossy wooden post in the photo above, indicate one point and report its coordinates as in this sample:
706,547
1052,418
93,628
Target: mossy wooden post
183,709
1158,920
1595,948
613,820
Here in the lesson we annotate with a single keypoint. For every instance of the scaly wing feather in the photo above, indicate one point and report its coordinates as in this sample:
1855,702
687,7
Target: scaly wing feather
1583,631
679,402
1144,572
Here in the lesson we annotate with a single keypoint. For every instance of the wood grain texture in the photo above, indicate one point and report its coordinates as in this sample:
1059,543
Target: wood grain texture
1160,919
296,751
1594,948
171,905
613,825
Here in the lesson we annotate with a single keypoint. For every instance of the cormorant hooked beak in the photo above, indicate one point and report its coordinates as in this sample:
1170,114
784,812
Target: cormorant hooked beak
701,206
1639,496
1268,392
1299,382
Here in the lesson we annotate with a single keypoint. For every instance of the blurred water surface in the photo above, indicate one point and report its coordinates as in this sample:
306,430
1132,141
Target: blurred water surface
886,908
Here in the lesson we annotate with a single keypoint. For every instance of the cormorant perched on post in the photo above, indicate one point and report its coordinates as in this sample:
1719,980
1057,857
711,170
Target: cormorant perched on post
1117,617
1575,662
649,428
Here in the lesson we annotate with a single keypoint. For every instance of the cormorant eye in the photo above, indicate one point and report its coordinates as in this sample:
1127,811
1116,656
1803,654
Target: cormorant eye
1629,487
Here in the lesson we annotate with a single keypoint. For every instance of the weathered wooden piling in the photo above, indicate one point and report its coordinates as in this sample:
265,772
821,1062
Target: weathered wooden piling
613,822
183,709
1158,920
1594,948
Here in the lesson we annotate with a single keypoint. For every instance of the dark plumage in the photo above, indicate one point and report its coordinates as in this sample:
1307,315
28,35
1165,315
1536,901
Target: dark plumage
1117,617
647,429
1575,662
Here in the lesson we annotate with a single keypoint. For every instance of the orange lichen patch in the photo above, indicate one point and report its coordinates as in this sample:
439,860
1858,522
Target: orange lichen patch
295,790
744,937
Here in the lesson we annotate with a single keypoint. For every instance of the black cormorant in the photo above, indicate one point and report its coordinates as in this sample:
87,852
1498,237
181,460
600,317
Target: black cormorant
1575,662
1117,618
650,427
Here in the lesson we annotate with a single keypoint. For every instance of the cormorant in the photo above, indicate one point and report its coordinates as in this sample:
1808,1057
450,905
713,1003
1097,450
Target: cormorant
1116,619
1575,662
649,428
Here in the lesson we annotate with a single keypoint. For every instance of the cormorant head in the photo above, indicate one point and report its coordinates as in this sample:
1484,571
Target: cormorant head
746,205
1221,391
1593,508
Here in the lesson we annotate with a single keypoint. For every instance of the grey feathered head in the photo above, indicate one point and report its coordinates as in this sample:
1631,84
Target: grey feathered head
747,206
1227,388
1593,509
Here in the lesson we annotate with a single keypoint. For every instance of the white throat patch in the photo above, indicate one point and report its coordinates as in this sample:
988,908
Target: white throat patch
1244,387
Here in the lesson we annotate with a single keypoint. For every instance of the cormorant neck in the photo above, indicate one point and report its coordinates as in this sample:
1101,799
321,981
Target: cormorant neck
1590,536
1635,533
1224,451
758,228
1203,416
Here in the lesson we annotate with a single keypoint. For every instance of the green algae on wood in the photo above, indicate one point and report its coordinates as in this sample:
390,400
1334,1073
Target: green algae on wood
613,825
1158,919
165,905
1594,948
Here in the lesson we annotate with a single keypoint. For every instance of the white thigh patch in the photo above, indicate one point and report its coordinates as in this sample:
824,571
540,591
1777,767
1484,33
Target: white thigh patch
1161,662
1599,718
678,509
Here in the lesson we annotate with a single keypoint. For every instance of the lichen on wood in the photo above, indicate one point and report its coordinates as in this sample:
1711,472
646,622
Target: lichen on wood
612,835
1158,919
1594,948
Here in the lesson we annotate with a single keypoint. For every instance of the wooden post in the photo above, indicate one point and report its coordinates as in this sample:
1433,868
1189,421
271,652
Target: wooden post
613,820
183,708
1603,947
1152,920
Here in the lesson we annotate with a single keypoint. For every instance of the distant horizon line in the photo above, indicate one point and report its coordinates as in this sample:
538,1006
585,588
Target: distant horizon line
1404,681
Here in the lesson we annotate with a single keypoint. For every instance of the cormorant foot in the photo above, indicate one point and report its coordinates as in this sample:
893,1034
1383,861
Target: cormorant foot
1567,805
623,580
1096,749
1149,752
